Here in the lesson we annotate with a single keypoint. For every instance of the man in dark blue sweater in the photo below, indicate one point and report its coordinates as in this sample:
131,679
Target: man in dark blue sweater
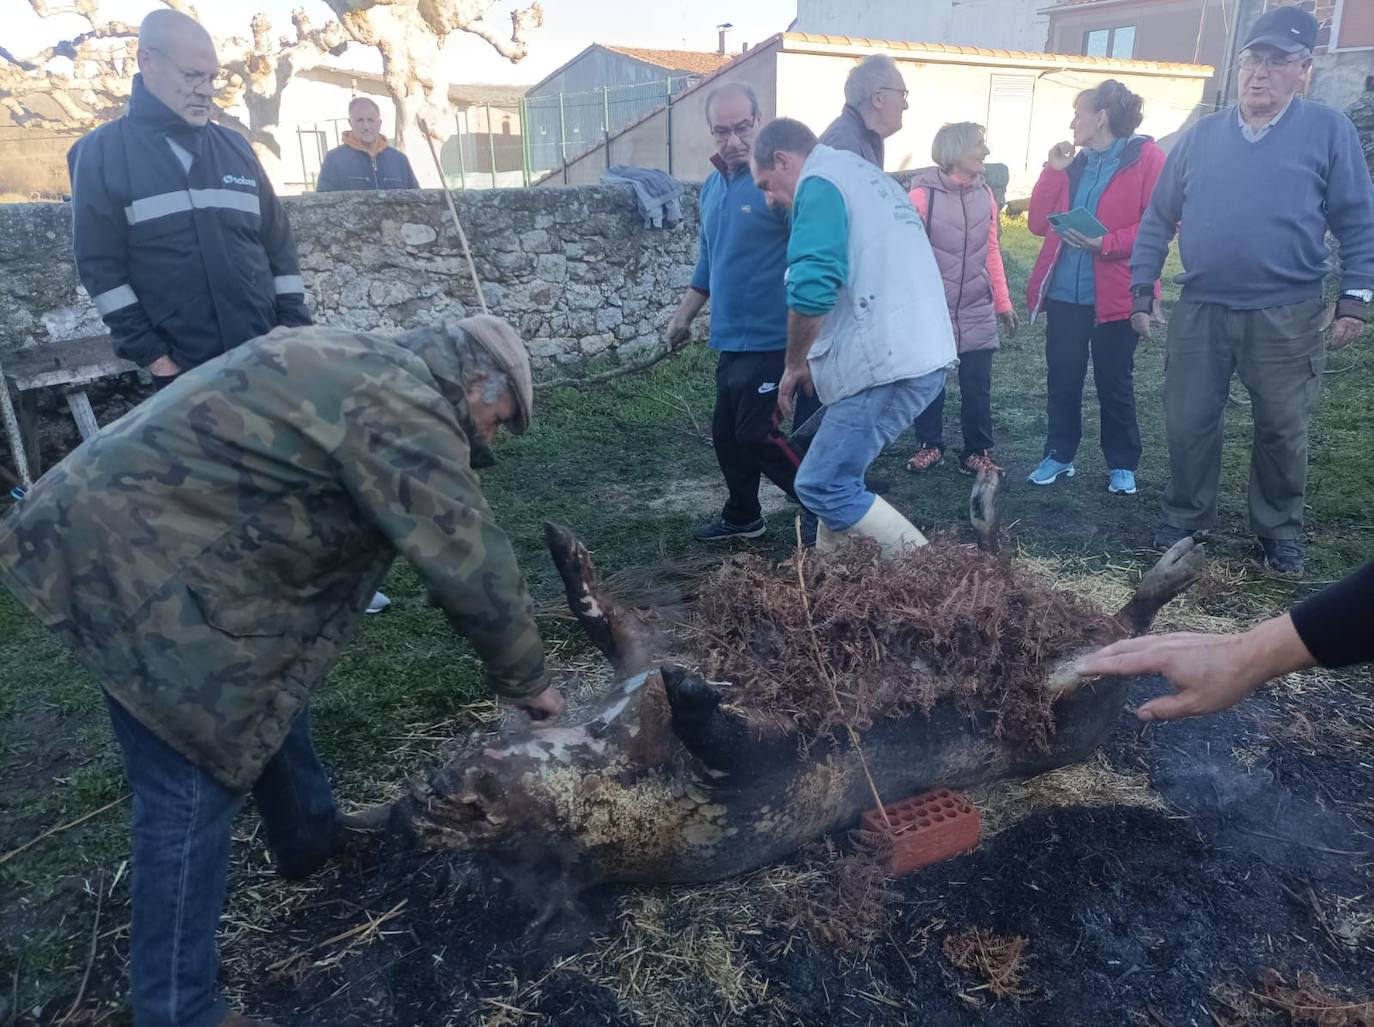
740,267
1251,191
365,160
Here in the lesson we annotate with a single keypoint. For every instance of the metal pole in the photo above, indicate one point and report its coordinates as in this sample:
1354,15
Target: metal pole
606,120
525,140
562,138
669,120
491,147
300,144
462,175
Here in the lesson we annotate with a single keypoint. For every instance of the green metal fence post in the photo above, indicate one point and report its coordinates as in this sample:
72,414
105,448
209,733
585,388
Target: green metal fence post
491,147
525,140
562,138
606,121
669,120
462,175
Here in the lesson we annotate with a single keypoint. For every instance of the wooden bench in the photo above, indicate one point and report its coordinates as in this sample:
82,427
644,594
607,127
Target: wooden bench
71,365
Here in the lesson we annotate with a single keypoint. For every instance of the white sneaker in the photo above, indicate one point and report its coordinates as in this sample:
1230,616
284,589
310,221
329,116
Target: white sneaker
379,603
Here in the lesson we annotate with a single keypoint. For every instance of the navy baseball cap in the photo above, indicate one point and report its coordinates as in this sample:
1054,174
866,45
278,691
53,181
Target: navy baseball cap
1285,28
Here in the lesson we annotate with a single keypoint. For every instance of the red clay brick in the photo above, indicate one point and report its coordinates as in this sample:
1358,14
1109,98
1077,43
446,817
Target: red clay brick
926,828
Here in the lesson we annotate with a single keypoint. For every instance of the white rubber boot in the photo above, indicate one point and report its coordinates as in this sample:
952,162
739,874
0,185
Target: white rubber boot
883,523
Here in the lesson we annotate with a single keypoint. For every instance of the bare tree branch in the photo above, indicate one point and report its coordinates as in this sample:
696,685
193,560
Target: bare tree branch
409,34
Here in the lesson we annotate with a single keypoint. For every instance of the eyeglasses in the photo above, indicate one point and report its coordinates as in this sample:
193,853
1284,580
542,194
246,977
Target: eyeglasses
1251,61
892,89
721,133
193,79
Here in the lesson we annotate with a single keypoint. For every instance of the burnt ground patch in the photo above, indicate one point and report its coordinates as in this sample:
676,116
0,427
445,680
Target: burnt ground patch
1131,915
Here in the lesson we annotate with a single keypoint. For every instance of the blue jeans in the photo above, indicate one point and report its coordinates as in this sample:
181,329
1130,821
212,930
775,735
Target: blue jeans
830,481
181,832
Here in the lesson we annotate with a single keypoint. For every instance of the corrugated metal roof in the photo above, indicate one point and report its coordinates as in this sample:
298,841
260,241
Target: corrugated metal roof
697,62
864,45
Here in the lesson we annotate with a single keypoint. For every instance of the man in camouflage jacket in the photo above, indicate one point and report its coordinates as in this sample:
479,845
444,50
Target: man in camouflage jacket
209,556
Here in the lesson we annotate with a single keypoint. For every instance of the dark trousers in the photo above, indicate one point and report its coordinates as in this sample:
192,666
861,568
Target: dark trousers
1279,354
182,818
1071,333
975,407
745,431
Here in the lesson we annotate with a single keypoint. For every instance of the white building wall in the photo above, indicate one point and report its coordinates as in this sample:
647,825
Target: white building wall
993,24
1026,110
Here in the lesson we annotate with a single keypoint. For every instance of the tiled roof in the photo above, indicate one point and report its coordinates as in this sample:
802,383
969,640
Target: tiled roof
695,61
1017,56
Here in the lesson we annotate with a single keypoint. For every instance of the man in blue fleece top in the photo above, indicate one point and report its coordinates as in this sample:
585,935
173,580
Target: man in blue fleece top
1252,191
868,328
740,265
365,160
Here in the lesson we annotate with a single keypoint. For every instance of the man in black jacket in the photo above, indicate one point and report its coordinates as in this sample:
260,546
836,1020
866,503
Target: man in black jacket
179,238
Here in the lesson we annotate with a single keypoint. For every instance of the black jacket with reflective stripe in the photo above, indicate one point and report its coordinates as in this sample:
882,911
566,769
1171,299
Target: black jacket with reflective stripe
181,263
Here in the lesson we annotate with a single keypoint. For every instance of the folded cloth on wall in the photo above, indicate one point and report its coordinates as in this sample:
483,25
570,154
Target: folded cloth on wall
657,193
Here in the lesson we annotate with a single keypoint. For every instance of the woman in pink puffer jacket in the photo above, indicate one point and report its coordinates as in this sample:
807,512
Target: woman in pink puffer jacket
960,214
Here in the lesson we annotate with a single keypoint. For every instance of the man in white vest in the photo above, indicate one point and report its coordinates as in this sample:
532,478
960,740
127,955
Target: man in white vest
867,327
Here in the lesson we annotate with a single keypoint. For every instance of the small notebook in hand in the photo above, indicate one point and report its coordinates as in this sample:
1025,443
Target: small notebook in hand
1081,220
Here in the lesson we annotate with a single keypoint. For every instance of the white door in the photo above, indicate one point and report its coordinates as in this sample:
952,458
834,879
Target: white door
1009,120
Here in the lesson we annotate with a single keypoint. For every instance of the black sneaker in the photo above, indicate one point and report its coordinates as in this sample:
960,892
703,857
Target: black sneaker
1167,536
1283,557
718,529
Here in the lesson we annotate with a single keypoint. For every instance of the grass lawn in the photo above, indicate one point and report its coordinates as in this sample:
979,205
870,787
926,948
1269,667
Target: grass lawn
630,468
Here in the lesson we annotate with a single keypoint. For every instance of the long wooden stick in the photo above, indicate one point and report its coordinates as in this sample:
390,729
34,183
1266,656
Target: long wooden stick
58,829
462,236
830,681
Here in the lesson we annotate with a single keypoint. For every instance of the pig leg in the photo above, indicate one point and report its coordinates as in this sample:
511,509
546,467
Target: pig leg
614,631
1175,571
982,508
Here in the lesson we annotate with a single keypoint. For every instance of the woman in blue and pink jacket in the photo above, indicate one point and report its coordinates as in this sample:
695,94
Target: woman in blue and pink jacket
1084,284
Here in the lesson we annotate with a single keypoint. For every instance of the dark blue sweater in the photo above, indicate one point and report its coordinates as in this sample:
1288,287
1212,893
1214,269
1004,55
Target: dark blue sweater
1252,217
348,168
741,261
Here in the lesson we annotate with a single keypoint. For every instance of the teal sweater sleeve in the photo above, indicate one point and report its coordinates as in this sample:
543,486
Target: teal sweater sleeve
818,250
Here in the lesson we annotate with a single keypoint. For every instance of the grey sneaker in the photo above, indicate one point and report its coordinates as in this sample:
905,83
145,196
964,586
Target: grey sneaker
1283,557
718,529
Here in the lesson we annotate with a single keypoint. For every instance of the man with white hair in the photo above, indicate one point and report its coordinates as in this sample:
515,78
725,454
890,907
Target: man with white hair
365,160
1252,191
874,100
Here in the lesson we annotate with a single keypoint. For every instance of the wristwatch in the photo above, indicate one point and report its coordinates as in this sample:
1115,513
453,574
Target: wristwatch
1355,303
1142,299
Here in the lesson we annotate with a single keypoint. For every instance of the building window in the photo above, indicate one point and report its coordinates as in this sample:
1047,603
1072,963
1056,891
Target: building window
1113,42
1353,26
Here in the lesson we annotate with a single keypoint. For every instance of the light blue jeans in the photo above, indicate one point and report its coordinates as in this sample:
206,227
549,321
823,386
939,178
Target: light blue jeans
830,481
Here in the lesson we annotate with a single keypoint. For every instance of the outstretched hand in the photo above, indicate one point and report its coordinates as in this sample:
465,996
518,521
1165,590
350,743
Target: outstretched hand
1207,672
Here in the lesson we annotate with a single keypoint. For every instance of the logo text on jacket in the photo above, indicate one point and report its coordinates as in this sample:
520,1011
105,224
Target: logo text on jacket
239,180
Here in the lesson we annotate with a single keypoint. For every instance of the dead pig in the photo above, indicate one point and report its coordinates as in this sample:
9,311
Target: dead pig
674,778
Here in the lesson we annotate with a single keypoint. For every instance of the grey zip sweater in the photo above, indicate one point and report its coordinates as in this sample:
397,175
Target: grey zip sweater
1252,217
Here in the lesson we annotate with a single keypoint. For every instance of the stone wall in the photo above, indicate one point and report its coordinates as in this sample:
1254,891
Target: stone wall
572,268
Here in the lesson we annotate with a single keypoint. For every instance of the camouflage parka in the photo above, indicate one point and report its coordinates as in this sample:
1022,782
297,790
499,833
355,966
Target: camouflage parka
209,555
